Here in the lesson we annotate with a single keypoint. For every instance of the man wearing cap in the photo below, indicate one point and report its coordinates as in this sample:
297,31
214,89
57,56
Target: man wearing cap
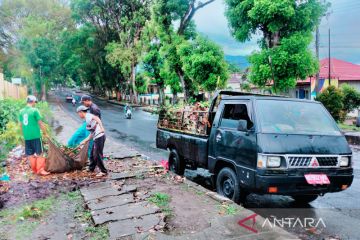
30,124
93,108
94,125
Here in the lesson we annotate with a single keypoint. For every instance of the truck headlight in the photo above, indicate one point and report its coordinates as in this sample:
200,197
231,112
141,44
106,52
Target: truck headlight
273,161
265,161
344,161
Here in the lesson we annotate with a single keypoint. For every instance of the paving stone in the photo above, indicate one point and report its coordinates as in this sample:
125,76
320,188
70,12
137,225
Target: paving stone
123,175
89,194
96,186
123,212
132,226
110,201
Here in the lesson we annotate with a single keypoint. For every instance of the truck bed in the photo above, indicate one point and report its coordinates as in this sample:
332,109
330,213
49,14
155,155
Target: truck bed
190,146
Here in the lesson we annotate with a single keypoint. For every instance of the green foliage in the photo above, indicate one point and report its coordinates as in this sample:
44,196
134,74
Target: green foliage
32,35
203,62
332,98
340,101
10,134
351,98
290,61
227,209
161,200
9,110
286,26
34,210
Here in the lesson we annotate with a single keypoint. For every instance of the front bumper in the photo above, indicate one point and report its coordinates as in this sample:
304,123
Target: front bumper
295,184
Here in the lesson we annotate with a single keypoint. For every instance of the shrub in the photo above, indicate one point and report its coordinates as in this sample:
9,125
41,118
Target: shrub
351,99
10,134
332,98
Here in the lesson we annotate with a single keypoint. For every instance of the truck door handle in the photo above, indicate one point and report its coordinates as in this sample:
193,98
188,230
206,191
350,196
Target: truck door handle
218,137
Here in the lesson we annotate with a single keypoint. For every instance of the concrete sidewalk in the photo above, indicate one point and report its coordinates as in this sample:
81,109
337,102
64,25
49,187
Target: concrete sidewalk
123,203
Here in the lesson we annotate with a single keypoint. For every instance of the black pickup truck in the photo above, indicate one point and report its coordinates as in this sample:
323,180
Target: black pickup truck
261,144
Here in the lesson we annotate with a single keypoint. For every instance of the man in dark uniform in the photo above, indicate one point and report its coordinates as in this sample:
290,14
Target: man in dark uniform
95,110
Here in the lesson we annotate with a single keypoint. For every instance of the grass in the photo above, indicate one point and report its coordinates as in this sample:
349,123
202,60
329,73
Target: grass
27,217
161,200
348,127
35,210
227,209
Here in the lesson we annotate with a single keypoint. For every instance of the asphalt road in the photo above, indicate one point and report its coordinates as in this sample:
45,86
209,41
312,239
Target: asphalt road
339,211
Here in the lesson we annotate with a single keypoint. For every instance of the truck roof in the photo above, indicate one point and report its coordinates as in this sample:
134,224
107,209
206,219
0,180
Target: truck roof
232,95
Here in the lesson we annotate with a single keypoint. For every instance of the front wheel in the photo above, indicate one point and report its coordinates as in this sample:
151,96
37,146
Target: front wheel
304,198
227,184
176,162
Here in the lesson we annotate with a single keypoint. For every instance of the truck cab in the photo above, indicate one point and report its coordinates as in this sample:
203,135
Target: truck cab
266,145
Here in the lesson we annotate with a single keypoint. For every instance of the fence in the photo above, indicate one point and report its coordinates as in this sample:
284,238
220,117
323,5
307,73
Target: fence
9,90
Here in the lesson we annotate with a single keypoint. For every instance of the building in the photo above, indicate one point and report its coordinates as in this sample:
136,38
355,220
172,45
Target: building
341,72
234,83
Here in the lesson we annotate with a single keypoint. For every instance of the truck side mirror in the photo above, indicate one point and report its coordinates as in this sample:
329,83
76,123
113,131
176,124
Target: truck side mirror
242,125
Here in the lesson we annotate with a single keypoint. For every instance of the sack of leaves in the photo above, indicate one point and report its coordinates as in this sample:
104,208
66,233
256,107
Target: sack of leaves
61,160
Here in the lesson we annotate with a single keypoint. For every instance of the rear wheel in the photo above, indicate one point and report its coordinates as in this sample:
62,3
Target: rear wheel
176,162
227,184
304,198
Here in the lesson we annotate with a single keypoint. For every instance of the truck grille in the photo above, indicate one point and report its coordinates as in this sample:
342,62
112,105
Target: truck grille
299,161
327,161
305,161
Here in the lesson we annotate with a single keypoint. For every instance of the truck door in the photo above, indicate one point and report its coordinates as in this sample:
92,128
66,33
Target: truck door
231,144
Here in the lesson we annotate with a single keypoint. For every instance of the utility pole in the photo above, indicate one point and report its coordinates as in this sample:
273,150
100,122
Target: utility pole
329,60
317,42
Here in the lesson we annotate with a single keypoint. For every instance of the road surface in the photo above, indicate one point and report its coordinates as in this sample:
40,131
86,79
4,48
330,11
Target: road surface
339,211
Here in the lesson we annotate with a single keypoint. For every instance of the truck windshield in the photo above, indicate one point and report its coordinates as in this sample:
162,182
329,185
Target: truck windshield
293,117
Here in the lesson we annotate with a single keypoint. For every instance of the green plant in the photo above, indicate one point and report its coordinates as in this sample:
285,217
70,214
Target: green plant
162,201
332,98
10,134
35,210
226,209
351,99
98,233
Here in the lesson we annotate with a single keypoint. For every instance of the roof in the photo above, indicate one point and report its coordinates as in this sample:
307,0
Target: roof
341,70
235,78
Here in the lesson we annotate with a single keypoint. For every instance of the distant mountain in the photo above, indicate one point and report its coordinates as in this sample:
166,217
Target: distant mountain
240,61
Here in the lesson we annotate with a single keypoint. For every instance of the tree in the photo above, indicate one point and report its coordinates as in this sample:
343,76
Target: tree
153,63
332,98
286,26
42,55
31,32
165,13
203,62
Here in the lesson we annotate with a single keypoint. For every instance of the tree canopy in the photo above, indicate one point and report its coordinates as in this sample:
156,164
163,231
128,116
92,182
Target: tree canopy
285,27
109,45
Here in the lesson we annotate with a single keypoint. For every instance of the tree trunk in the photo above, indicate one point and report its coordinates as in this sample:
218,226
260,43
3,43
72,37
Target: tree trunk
43,92
133,84
184,85
175,98
161,96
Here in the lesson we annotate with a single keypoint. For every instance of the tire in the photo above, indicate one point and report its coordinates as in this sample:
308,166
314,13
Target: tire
176,163
304,198
227,184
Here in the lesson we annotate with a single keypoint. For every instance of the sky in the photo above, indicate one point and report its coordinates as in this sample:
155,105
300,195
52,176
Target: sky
343,21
